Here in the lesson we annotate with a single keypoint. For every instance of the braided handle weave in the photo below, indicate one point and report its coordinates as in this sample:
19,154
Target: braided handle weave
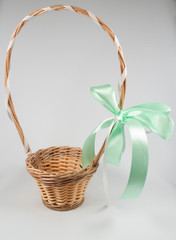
99,22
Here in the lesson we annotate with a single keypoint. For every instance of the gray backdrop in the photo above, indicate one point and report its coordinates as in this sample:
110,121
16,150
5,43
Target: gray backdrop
56,59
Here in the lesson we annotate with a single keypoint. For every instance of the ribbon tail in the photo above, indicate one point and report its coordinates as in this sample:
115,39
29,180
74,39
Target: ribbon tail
113,149
88,151
105,156
116,144
139,164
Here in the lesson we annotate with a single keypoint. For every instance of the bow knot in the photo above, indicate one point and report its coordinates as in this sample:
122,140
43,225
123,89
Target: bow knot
151,115
120,117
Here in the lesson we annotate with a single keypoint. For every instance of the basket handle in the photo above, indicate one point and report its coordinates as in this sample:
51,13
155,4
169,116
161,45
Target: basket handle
99,22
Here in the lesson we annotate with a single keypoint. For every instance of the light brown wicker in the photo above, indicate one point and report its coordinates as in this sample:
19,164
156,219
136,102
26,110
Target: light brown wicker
57,170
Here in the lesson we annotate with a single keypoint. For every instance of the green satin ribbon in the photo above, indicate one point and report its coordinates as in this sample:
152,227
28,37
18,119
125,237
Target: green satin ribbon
151,115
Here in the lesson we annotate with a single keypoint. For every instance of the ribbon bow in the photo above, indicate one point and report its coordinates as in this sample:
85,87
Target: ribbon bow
151,115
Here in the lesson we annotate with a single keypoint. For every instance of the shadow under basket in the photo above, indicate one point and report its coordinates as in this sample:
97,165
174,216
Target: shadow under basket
61,180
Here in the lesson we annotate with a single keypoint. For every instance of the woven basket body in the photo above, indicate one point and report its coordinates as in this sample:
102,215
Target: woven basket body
59,176
57,170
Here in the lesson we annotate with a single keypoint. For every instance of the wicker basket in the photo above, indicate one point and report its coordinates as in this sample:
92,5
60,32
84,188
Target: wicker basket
57,170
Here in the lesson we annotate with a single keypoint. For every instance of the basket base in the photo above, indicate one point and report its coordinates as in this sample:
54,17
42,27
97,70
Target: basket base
63,208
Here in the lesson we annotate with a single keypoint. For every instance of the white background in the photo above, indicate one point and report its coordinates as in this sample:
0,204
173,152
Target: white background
56,59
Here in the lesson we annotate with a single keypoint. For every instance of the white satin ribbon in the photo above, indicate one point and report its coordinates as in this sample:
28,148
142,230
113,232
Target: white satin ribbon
93,17
105,179
27,18
122,79
69,8
11,43
47,9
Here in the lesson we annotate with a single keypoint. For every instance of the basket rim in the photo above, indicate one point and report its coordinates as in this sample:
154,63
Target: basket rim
84,171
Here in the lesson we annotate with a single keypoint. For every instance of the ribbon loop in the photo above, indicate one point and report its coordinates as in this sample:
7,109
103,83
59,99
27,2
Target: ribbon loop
106,96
